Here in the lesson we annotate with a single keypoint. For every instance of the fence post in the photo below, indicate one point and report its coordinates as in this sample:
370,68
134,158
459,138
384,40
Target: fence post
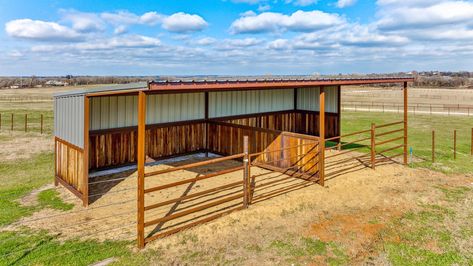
433,146
246,171
455,144
26,122
41,130
12,122
0,121
373,146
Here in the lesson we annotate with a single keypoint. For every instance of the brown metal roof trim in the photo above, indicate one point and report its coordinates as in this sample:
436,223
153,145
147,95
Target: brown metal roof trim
191,85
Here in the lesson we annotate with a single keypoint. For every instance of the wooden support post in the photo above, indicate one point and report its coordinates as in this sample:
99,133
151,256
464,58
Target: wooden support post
339,118
433,146
26,122
373,146
206,115
455,144
141,169
245,173
41,126
322,136
405,122
85,164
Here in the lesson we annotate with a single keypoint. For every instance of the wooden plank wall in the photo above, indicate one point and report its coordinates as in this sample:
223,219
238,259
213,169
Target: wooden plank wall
292,152
303,122
69,165
109,149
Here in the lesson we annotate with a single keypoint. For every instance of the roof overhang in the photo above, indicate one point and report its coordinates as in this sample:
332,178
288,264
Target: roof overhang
190,86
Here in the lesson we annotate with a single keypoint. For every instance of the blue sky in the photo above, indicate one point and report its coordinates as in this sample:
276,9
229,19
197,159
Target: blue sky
235,37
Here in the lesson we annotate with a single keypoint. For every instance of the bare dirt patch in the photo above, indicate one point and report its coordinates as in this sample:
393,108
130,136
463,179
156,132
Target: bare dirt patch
20,145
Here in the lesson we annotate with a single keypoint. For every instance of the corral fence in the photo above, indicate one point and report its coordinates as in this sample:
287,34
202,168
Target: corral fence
366,148
454,148
413,108
23,122
243,179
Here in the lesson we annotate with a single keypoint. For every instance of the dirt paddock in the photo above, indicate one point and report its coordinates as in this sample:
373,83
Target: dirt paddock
284,207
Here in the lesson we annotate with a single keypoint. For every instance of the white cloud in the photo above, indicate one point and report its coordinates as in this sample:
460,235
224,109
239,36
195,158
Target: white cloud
182,23
277,22
434,14
279,44
232,44
151,18
345,3
40,30
83,22
251,2
264,8
129,41
205,41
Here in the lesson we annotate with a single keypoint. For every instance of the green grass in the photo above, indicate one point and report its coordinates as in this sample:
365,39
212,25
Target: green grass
420,138
431,235
26,248
18,178
50,199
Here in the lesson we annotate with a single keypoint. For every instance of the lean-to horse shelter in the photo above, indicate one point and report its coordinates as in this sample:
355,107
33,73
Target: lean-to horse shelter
113,126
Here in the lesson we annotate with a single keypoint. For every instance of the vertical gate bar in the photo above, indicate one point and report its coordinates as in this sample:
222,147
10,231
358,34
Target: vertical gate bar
405,123
455,144
245,172
141,168
373,146
433,146
322,135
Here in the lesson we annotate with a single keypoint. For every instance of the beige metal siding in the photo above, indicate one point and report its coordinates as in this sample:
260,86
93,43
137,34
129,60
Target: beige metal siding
121,111
229,103
69,119
308,99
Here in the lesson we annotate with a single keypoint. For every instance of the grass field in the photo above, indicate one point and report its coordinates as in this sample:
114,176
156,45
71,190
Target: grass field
428,222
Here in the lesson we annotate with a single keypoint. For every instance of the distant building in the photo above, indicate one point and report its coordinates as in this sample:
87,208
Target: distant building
56,83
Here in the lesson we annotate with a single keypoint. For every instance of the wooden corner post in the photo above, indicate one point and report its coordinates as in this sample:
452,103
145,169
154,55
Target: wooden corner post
405,123
322,136
85,156
141,169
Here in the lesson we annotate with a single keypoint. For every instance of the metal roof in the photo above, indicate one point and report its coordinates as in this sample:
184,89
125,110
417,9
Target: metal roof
107,88
191,84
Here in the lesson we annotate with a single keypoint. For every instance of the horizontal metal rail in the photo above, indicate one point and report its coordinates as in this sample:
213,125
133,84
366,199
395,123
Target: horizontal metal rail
190,180
196,209
390,124
348,135
197,194
389,140
389,132
291,157
283,149
345,152
348,143
390,149
192,165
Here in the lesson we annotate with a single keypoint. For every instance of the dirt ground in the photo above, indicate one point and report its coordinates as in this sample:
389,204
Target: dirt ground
351,209
23,145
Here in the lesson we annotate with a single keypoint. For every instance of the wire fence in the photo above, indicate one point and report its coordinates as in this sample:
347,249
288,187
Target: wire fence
415,108
26,122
